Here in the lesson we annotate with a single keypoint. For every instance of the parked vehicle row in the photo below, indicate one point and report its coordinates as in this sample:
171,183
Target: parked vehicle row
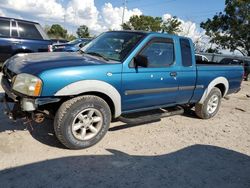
71,46
115,75
21,36
59,41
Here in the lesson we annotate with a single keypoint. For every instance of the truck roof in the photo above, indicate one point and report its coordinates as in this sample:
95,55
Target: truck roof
149,33
27,21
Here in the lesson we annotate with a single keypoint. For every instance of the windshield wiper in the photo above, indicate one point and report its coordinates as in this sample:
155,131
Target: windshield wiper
96,54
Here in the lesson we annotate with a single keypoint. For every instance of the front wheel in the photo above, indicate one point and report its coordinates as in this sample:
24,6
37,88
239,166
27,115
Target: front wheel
82,121
210,106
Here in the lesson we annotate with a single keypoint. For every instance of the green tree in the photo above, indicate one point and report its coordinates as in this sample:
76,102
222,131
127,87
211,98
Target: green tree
83,31
57,31
46,28
231,29
144,23
70,37
149,23
171,25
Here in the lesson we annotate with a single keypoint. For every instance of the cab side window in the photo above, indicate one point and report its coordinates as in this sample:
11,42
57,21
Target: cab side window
4,28
159,54
29,31
186,54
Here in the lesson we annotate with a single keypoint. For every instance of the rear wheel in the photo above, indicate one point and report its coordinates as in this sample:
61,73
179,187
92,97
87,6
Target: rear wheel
82,121
210,106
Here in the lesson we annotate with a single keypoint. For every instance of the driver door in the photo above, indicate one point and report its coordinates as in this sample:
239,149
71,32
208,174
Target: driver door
155,85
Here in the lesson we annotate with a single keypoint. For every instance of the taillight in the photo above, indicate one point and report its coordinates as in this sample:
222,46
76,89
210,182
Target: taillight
50,49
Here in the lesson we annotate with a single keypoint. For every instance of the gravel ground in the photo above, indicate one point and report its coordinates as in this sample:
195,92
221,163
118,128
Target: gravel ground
179,151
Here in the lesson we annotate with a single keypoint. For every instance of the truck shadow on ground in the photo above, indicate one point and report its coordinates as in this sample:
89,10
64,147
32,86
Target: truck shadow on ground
190,113
44,132
195,166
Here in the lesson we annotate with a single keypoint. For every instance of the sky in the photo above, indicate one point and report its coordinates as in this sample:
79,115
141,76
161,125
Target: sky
192,10
102,15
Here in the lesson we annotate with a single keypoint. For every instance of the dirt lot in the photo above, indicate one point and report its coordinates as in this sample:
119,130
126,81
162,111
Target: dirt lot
179,151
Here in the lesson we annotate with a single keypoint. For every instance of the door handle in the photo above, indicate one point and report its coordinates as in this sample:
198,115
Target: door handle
173,74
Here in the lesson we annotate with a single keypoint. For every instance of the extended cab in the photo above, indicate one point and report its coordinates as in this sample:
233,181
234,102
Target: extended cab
21,36
117,74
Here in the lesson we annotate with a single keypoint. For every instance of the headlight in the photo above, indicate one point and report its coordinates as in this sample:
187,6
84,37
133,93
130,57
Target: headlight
27,84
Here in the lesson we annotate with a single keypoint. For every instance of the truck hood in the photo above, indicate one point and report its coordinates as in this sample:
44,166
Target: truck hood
36,63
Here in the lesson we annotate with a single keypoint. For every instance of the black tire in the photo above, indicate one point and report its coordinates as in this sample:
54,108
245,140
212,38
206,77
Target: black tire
66,117
202,111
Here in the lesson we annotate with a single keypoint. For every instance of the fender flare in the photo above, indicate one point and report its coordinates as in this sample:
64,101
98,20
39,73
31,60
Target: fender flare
212,84
84,86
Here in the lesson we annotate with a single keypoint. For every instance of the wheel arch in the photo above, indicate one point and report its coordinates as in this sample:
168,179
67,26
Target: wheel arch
101,89
222,88
105,97
221,83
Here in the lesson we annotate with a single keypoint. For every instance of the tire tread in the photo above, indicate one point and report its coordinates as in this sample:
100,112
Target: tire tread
64,109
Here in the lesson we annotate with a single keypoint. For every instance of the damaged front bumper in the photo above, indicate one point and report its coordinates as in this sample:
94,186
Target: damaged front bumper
16,107
10,103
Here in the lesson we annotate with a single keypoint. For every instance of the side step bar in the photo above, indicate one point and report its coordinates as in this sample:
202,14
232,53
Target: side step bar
138,118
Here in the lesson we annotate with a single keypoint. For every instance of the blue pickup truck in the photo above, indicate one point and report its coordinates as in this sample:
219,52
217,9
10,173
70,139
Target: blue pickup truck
116,75
21,36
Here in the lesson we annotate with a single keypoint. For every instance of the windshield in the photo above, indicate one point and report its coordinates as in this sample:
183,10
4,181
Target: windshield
113,45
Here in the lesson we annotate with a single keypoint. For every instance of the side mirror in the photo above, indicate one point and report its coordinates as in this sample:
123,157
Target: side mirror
141,61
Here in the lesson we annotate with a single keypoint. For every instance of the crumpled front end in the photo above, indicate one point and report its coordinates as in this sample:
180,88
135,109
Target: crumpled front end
17,105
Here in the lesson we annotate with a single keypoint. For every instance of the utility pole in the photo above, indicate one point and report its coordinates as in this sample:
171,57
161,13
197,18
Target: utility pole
123,12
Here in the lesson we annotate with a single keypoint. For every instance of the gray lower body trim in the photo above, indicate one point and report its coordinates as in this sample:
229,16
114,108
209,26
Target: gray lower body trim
191,87
184,88
199,86
149,91
161,90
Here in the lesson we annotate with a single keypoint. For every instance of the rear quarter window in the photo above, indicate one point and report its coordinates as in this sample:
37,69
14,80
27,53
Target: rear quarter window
186,54
29,31
4,28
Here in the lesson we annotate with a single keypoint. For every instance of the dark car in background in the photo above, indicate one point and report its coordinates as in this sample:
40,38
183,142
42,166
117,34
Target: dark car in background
21,36
59,41
236,61
199,57
71,46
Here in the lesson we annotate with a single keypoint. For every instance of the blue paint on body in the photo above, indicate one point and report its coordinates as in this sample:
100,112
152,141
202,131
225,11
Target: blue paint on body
58,70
